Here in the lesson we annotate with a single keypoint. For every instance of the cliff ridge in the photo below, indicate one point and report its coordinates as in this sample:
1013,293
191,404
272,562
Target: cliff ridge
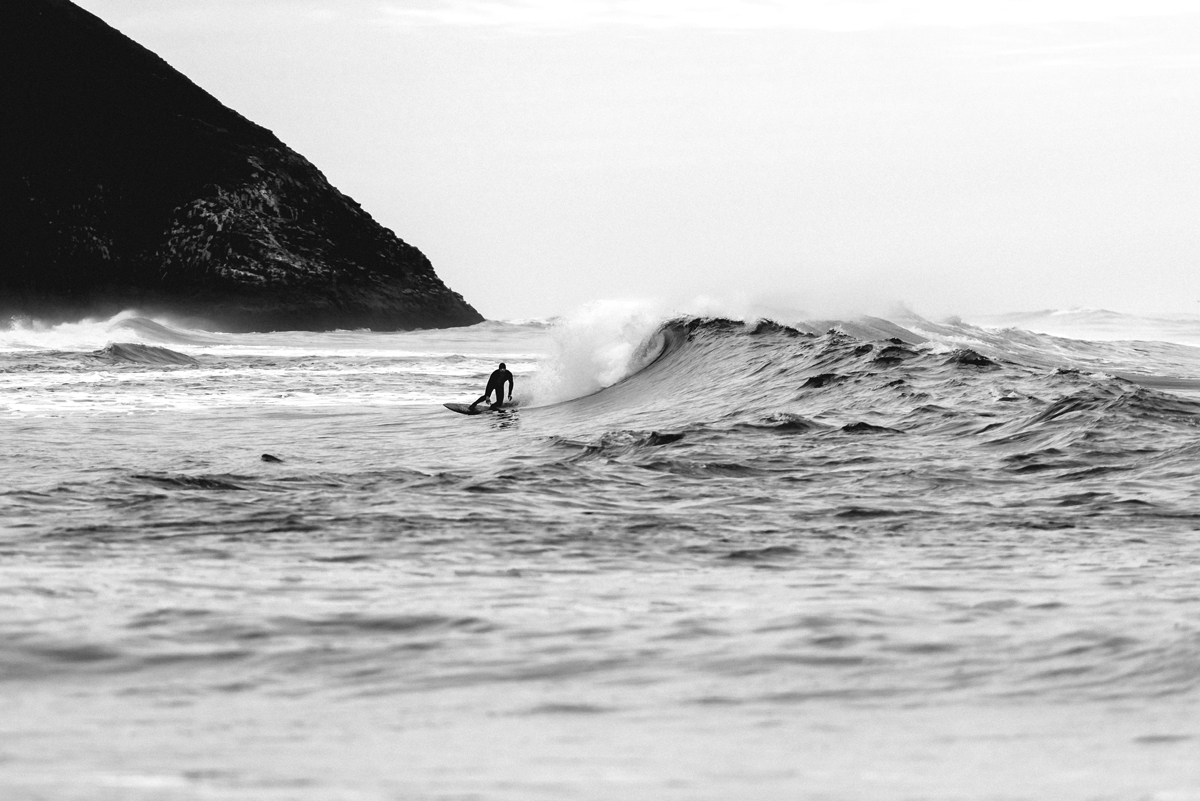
124,185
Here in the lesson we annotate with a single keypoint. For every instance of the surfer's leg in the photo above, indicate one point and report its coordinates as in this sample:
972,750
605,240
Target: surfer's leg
479,400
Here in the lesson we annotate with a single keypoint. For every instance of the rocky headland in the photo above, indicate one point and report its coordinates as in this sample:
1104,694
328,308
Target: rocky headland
123,185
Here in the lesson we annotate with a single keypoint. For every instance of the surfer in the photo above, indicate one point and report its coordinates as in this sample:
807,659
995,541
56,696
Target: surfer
496,383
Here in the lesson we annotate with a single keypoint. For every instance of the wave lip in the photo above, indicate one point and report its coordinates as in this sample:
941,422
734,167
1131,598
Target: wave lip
150,330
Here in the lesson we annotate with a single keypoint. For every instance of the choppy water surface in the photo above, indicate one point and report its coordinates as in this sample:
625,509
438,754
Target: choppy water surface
907,560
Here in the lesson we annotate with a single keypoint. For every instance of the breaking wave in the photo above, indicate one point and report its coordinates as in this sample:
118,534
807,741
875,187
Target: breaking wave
23,333
1034,402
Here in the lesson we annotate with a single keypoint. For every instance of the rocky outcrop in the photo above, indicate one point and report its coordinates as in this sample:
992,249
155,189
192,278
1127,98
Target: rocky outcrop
124,185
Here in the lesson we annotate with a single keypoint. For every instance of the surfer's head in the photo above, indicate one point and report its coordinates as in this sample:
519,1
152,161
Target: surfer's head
502,367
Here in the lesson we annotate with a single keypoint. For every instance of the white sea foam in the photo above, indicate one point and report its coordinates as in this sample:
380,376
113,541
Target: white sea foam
24,333
595,347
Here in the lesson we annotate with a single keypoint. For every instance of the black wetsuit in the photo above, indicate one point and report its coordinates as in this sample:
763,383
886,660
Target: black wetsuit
496,383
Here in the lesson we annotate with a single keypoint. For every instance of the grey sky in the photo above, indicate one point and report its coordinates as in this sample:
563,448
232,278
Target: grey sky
828,157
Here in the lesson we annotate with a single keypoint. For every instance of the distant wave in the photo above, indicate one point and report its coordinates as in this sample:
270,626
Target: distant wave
1100,325
134,353
24,333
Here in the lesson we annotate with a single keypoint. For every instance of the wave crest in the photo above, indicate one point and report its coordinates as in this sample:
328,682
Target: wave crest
25,333
597,347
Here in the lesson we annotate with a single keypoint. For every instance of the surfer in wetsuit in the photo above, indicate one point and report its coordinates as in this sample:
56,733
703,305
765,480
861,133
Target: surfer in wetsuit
496,383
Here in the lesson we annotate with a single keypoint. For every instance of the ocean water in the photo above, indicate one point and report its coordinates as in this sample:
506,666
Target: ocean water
703,559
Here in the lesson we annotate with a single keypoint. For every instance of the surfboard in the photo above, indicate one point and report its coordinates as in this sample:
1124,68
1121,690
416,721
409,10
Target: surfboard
465,408
483,408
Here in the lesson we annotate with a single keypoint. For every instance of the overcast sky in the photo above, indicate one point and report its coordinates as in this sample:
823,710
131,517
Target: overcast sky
823,157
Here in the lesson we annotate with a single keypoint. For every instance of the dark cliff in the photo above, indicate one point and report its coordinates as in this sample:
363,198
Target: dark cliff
125,185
